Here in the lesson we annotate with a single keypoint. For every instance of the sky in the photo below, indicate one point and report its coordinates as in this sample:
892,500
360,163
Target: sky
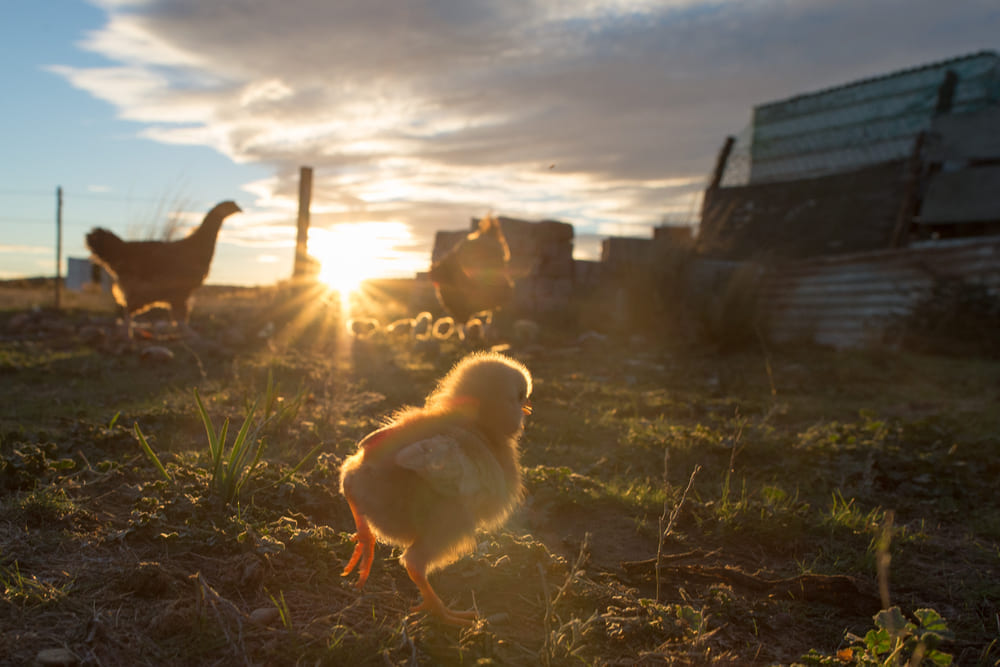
414,115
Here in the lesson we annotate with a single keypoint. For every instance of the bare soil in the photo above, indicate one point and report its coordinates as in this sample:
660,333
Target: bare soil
801,454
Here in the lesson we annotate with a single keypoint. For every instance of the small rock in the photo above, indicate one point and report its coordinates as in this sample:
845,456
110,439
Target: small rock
156,353
498,619
264,616
56,657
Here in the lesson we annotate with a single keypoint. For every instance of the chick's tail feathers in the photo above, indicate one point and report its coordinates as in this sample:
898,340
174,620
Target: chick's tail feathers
106,246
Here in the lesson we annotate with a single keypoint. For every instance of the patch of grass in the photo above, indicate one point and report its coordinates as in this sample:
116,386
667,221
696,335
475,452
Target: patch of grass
795,484
46,505
230,467
230,473
27,590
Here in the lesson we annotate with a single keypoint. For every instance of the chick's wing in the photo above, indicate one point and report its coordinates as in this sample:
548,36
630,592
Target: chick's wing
442,462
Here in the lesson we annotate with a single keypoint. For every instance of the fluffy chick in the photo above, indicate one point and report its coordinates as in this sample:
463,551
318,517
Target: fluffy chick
434,475
363,328
423,324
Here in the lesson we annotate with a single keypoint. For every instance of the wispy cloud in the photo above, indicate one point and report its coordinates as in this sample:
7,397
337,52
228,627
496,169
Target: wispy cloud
25,249
604,113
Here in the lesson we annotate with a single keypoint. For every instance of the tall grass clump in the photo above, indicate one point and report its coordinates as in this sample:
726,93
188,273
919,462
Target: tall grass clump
229,473
231,466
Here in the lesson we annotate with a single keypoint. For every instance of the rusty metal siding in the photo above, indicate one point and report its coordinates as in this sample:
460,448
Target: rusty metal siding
852,300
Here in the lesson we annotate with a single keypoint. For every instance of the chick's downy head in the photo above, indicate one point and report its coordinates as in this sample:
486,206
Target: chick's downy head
493,387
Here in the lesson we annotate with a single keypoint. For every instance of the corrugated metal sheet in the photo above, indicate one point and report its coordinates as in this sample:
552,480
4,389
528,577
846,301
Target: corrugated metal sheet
851,300
863,123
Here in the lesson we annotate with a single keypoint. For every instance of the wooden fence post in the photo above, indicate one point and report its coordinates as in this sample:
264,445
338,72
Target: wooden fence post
911,189
300,268
720,162
59,206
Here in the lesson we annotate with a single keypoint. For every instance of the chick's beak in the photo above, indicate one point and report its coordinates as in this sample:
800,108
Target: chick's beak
526,408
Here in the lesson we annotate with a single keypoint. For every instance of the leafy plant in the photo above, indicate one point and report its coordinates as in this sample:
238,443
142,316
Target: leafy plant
27,465
230,473
19,588
275,407
232,466
894,641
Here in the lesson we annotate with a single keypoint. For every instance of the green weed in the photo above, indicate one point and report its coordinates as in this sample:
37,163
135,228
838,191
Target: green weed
41,506
230,473
283,612
26,590
150,453
894,641
231,466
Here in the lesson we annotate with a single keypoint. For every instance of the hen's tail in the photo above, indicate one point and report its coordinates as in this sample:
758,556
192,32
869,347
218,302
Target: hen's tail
106,246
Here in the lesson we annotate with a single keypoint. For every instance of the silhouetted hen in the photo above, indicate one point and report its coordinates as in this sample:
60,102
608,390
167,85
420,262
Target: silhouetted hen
148,274
473,276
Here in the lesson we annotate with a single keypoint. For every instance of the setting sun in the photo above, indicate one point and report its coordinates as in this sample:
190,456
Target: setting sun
353,252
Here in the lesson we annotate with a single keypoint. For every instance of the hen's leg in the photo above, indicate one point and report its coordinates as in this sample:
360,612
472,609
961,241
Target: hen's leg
416,567
179,312
364,552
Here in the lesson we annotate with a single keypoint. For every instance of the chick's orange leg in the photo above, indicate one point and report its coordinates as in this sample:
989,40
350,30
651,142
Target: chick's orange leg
432,604
364,552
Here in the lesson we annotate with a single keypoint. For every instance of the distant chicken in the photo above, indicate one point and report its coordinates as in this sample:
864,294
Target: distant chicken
159,273
434,475
473,276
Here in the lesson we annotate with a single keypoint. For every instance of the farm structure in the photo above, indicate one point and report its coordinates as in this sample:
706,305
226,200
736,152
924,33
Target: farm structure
541,263
845,207
859,201
874,164
82,273
841,204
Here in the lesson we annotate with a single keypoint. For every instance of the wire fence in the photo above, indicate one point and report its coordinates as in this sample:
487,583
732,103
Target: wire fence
148,217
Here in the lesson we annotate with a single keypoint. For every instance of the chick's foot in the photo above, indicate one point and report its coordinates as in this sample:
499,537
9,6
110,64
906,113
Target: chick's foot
435,607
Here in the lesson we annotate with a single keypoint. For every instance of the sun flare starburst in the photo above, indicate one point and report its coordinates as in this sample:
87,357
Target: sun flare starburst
351,253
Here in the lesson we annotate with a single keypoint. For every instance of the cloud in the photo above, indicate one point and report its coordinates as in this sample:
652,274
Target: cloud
601,113
25,249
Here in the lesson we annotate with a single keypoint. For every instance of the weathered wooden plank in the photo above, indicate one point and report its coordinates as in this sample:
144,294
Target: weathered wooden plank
968,195
968,136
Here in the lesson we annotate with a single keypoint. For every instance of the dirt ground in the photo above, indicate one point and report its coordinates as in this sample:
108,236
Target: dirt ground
683,506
